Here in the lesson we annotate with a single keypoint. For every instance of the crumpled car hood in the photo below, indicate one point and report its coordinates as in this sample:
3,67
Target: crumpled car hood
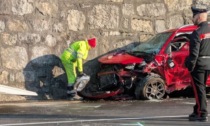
121,58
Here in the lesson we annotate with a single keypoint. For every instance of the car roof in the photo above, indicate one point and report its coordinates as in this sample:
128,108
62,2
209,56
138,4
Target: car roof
185,28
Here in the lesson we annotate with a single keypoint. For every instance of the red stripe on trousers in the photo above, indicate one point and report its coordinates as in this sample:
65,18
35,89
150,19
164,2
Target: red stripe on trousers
196,97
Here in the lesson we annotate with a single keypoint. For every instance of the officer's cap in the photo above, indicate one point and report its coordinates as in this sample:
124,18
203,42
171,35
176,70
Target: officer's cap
196,10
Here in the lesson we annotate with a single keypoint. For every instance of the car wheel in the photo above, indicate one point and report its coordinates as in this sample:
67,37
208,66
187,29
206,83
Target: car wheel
151,87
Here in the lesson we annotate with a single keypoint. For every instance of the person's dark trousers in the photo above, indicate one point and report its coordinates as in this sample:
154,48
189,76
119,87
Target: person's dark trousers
199,87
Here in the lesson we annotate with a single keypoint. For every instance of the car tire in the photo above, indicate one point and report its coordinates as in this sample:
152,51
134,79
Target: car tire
151,87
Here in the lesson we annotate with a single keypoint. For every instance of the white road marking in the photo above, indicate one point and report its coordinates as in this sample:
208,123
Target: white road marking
37,104
91,120
154,100
138,124
94,106
189,103
82,107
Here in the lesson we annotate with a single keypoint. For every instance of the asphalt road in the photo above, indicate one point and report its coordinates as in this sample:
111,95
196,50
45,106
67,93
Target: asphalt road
168,112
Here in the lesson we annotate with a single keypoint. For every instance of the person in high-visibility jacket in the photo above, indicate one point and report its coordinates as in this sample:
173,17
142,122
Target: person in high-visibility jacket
72,58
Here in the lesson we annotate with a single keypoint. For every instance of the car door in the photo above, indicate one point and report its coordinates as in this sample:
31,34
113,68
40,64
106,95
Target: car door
176,74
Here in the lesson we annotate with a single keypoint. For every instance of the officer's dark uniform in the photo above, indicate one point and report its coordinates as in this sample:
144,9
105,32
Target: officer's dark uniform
198,63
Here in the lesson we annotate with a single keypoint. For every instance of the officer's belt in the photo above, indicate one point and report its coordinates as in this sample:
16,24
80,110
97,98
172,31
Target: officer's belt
204,57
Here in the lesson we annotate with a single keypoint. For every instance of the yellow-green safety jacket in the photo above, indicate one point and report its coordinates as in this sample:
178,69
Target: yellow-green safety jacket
77,52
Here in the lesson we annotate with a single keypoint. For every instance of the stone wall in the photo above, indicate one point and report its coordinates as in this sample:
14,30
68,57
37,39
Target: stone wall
33,34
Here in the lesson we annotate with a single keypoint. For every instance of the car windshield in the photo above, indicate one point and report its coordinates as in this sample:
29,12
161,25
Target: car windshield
152,45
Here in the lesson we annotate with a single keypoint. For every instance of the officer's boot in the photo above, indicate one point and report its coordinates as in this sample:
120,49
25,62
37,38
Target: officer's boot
70,92
196,117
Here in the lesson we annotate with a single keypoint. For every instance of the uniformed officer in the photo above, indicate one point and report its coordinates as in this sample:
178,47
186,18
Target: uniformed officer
198,63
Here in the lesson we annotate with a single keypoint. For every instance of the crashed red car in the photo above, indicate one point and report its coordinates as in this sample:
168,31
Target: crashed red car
148,71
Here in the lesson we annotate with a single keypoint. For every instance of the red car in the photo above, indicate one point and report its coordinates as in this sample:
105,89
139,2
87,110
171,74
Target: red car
148,71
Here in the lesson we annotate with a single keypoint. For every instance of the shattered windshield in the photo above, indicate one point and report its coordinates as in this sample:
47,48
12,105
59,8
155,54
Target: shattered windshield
153,45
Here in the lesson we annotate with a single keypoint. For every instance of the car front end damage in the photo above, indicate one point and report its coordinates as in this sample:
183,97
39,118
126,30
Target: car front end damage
139,71
126,76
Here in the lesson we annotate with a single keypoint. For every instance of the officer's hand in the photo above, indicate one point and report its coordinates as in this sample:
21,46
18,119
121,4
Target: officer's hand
190,66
